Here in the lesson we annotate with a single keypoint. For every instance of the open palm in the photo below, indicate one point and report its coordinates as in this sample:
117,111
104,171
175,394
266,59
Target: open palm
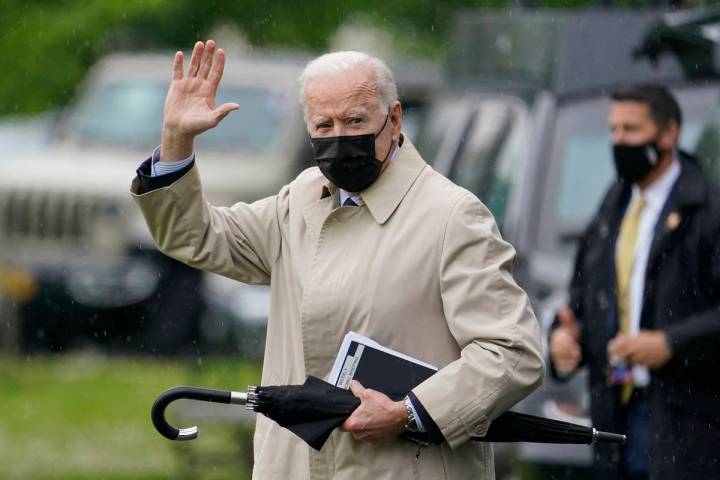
190,107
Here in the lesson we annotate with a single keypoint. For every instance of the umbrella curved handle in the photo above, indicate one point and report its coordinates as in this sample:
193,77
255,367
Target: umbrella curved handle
157,413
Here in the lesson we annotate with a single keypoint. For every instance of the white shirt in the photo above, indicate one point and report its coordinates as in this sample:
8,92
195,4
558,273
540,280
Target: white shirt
656,194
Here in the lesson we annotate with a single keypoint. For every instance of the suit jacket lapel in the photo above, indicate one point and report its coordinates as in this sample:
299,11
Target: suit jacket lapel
687,193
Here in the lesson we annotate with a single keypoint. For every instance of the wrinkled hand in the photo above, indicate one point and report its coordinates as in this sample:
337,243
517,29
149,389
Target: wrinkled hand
565,350
377,417
649,348
190,103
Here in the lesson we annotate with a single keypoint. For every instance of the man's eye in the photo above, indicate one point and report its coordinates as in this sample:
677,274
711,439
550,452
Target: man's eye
355,120
322,126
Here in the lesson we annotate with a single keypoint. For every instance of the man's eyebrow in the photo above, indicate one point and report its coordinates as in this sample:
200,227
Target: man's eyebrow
318,119
356,113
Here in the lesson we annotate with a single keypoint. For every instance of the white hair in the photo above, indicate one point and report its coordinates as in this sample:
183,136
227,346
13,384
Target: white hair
339,62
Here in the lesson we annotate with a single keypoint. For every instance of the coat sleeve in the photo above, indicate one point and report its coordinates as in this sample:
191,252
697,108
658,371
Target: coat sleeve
490,317
695,340
241,242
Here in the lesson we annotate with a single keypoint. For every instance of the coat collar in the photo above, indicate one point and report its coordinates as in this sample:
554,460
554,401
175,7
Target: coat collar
384,196
690,189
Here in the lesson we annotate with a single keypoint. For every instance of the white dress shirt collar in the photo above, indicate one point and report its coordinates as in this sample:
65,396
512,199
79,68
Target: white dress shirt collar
656,193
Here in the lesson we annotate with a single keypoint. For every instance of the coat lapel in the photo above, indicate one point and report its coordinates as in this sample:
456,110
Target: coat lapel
316,212
384,196
687,194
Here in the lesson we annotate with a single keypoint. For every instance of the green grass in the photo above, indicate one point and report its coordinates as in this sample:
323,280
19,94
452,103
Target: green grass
82,416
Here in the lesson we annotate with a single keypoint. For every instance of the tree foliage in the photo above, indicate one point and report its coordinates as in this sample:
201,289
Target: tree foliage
48,45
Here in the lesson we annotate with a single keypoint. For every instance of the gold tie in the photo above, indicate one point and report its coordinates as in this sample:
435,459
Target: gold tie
623,266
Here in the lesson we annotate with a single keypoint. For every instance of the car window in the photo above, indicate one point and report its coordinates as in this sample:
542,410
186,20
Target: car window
130,114
442,131
582,154
490,151
708,147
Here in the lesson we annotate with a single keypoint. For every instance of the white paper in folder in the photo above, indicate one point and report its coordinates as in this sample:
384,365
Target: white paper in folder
345,364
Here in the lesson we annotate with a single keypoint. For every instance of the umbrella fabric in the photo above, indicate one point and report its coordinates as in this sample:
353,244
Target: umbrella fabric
519,427
313,410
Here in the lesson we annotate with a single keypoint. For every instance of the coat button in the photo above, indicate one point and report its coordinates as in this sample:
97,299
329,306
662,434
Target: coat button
603,301
604,230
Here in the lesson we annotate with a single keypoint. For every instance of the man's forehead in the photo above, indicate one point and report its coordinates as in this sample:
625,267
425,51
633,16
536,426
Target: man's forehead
351,90
629,109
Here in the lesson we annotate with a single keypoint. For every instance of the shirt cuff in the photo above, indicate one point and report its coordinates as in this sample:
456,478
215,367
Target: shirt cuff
159,168
430,429
149,182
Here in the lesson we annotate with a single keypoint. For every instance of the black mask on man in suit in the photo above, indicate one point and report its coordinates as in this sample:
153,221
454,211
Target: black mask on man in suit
349,161
635,162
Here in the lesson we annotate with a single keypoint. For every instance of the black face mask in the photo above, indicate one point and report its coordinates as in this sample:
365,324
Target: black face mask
635,162
349,161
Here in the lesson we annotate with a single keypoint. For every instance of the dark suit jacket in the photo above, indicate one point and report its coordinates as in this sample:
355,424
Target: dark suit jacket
681,297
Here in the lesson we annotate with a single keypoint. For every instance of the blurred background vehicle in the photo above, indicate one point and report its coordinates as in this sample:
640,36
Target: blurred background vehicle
67,221
522,123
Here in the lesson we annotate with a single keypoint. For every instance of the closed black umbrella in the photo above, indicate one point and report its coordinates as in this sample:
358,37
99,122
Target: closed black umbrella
313,410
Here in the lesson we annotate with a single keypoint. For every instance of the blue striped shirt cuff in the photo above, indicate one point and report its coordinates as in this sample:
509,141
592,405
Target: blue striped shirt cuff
159,168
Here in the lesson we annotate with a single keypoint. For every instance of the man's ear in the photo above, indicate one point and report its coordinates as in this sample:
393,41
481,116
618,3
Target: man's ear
396,119
669,136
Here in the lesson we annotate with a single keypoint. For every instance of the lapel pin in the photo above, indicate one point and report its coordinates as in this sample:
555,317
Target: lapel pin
672,221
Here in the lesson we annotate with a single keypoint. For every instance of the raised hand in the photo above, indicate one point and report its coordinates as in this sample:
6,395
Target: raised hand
565,351
190,103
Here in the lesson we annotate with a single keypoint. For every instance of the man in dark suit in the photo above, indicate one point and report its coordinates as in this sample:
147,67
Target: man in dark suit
644,310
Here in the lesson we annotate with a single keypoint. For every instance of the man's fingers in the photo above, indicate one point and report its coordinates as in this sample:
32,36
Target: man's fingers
566,318
195,59
564,350
178,66
218,66
223,110
621,346
207,59
564,344
356,388
347,425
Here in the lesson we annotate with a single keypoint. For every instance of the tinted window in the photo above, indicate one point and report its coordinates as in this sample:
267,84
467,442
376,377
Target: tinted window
476,141
442,131
130,114
708,148
490,151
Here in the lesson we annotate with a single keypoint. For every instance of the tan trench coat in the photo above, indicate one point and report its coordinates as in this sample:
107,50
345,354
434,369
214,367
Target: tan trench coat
421,268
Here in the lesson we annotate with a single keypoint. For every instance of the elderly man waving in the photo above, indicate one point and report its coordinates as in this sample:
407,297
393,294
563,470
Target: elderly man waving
373,241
